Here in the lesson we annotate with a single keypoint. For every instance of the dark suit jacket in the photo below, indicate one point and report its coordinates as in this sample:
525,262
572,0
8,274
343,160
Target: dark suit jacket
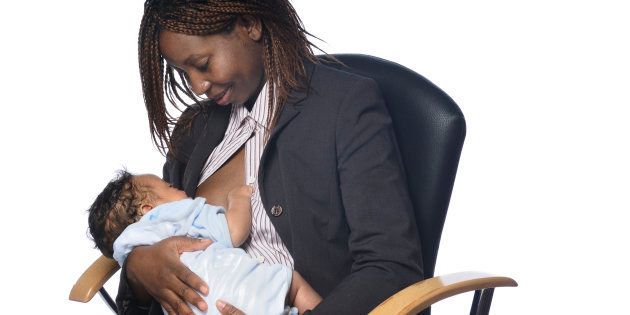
333,166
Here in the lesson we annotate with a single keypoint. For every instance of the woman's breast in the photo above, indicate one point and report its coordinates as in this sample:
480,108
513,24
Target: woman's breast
230,175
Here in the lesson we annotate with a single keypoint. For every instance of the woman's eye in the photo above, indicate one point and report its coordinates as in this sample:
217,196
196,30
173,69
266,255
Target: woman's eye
203,66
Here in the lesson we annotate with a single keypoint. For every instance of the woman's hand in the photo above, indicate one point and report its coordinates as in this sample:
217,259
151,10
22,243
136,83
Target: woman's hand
157,270
228,309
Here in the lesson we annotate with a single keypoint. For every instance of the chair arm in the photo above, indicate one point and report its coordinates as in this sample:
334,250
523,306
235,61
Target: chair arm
420,295
93,279
410,300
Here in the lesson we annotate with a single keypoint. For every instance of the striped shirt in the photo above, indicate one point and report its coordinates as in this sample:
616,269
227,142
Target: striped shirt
249,128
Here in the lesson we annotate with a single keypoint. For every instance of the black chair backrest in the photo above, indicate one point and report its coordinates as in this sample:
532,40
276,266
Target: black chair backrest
430,129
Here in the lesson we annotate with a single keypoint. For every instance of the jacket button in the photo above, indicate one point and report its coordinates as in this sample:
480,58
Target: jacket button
276,210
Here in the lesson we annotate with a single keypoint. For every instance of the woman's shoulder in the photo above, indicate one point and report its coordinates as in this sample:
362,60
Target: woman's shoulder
331,83
336,74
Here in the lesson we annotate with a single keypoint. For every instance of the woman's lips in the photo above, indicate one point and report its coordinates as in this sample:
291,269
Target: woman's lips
224,97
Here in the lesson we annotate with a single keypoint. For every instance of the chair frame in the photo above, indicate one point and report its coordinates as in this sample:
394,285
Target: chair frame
411,300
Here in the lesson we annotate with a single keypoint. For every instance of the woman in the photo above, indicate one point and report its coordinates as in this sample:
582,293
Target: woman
330,196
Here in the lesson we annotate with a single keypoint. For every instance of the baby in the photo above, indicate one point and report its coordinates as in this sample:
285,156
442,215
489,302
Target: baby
135,210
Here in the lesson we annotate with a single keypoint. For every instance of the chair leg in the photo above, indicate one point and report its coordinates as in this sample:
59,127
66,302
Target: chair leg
481,302
108,300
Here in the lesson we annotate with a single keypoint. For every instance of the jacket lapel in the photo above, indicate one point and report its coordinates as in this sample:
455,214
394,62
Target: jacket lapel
289,112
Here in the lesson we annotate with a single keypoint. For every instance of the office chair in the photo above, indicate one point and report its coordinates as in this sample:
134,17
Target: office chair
430,130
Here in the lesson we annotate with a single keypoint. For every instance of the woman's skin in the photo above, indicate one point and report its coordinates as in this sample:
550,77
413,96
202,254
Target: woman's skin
225,67
229,69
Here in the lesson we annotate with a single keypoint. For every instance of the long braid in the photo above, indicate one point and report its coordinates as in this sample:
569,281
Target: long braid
151,77
285,47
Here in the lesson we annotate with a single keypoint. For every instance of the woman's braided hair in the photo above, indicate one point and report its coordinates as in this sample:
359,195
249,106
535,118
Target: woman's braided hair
284,40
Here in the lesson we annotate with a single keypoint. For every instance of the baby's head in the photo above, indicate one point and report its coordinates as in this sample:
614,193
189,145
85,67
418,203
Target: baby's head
124,201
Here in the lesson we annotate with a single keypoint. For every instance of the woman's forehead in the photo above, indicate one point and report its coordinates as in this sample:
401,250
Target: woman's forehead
179,47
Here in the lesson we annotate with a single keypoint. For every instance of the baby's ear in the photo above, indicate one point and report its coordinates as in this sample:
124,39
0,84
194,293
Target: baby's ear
144,208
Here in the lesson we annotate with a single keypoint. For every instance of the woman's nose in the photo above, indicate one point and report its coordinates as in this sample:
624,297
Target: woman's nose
199,84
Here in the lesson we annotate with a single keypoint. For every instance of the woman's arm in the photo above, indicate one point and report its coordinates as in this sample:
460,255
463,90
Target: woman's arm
302,295
383,238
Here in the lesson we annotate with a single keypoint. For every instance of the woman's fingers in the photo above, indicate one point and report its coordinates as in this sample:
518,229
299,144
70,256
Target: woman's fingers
189,244
179,300
187,283
189,295
173,304
169,310
228,309
161,273
190,280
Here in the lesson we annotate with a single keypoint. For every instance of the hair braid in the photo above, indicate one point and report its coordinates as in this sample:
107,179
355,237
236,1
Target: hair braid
151,68
285,47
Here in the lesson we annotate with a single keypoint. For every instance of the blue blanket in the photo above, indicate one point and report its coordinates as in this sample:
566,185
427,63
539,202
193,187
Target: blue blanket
231,274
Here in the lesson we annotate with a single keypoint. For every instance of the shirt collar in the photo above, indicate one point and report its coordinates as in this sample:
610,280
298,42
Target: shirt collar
258,112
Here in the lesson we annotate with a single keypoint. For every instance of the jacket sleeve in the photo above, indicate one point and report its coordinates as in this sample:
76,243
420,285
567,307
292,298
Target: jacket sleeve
126,302
383,238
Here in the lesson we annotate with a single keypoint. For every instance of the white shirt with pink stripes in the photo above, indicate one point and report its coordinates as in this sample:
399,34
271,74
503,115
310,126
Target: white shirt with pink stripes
249,128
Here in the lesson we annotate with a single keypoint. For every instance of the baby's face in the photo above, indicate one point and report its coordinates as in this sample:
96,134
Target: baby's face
163,191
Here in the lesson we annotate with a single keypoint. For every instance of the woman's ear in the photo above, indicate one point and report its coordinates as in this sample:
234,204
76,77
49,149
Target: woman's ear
253,26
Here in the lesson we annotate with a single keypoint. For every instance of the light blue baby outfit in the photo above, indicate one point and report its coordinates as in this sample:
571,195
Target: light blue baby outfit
230,273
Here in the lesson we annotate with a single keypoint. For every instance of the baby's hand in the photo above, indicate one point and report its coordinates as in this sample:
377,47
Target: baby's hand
239,214
240,197
244,191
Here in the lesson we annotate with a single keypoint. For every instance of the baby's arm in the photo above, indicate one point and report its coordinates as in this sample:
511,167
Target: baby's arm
239,214
302,295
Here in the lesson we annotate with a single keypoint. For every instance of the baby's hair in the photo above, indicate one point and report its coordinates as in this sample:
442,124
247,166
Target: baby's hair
115,208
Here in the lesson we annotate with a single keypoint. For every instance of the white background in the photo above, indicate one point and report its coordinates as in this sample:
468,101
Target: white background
542,190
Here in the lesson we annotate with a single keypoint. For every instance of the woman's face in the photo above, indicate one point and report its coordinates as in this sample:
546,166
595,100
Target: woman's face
227,68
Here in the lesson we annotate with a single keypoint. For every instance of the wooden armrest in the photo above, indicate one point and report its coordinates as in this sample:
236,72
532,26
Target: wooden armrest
93,279
410,300
420,295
